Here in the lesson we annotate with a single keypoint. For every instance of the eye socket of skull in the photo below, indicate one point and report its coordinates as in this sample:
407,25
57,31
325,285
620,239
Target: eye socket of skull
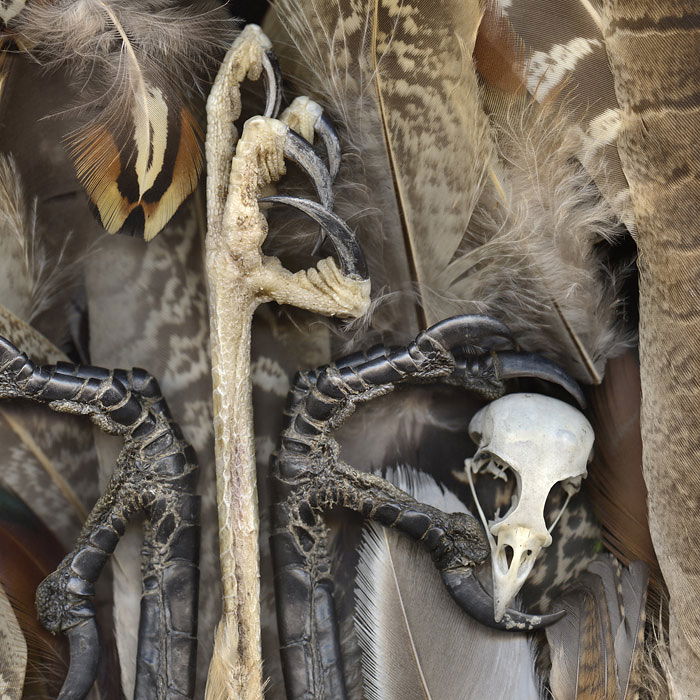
542,442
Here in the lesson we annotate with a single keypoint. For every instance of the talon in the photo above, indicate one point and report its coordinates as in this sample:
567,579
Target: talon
273,83
514,365
352,261
468,332
471,596
84,657
324,128
300,151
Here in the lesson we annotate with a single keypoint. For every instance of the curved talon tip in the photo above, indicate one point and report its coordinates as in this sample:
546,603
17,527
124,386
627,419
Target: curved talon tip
273,84
471,596
515,365
299,150
469,330
84,657
324,128
350,258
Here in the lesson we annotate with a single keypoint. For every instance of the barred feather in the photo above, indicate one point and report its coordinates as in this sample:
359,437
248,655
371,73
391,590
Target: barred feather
144,67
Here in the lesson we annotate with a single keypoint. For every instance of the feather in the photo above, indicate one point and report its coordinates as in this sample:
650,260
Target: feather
615,482
653,52
519,239
144,66
560,54
13,651
595,647
28,553
362,62
408,654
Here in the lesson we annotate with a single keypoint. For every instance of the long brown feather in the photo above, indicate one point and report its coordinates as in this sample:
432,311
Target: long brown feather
595,647
144,67
653,47
615,483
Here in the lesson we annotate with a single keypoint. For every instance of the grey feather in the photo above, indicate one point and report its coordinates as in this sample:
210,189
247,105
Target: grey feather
416,642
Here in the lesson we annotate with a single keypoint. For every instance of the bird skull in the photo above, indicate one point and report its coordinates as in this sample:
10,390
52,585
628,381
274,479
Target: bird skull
544,441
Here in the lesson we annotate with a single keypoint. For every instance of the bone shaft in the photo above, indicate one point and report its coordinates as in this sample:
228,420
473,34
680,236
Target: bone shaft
232,307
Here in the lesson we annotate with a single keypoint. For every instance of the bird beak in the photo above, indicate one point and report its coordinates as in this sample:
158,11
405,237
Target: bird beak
512,560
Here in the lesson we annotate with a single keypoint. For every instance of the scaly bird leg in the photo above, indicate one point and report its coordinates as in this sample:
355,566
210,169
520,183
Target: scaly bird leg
310,478
240,278
156,475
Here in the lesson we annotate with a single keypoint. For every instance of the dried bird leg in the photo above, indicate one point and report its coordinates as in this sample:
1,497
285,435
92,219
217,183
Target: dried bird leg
155,474
311,478
240,278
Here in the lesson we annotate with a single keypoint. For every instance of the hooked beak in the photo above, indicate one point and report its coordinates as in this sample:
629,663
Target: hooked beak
508,577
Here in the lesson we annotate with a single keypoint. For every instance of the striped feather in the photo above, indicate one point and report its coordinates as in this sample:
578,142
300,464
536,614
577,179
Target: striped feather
142,69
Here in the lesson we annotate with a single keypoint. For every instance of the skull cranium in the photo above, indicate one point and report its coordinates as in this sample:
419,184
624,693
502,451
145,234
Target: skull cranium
544,441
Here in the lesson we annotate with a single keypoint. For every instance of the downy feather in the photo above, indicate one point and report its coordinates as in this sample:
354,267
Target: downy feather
144,67
416,642
514,239
561,56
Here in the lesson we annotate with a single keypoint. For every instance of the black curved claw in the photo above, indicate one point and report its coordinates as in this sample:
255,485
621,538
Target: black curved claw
350,256
471,596
325,130
514,365
299,150
84,658
273,84
470,331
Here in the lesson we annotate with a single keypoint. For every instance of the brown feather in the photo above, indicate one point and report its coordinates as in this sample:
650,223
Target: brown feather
653,48
594,648
615,482
28,553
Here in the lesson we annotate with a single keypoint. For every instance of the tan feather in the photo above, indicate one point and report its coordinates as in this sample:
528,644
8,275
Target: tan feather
653,49
420,145
144,67
13,651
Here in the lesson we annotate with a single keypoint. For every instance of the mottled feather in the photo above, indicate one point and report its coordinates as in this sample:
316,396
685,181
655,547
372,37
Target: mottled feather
653,49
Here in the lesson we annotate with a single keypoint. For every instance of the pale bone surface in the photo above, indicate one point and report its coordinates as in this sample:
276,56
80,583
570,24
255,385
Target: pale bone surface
544,442
240,278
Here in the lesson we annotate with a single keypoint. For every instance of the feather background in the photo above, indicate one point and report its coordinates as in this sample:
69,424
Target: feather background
416,642
652,46
141,69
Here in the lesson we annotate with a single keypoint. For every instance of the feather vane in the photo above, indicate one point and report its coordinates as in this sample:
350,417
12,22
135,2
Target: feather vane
144,67
410,629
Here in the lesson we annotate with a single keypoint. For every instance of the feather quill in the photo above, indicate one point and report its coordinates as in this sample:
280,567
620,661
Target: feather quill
595,647
410,629
144,67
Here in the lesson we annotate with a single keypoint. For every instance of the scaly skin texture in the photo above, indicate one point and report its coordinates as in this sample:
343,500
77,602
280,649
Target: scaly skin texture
653,49
240,278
